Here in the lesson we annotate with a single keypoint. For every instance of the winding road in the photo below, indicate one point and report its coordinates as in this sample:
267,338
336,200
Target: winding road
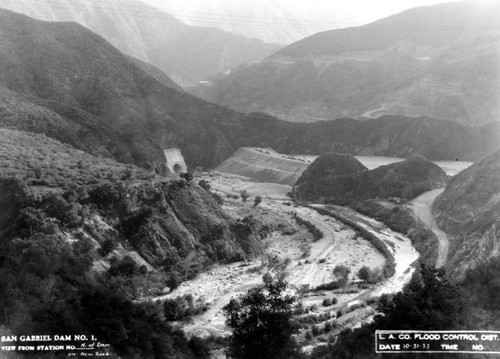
422,206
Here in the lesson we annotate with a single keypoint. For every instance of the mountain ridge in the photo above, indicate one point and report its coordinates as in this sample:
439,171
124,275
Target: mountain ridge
406,64
154,36
65,81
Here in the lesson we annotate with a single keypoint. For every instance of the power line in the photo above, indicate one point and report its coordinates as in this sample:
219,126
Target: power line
195,14
153,13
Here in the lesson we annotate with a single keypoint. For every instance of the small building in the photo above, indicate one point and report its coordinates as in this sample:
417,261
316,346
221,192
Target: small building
174,161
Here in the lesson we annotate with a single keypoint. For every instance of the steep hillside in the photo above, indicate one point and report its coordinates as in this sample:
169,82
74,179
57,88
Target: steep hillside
84,240
439,61
324,177
188,213
264,165
468,210
343,179
186,53
65,81
62,80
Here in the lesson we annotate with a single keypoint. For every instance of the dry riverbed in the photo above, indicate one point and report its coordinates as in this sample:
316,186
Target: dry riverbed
311,262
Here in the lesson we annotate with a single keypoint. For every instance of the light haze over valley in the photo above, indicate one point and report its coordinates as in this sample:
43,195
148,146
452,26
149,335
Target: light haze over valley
247,179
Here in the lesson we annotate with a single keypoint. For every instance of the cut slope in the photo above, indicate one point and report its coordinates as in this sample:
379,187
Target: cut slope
264,165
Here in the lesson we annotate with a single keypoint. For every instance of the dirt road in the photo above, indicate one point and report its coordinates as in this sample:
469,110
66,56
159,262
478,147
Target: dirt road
321,249
422,206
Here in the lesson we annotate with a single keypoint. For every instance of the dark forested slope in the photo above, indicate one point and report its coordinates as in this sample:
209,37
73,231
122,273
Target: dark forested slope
84,240
343,179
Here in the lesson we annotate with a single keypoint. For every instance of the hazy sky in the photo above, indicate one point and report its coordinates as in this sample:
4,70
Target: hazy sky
367,10
283,21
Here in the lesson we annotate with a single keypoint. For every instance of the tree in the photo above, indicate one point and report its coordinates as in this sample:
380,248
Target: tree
370,276
172,310
107,246
261,321
257,201
244,195
341,272
364,273
428,302
123,267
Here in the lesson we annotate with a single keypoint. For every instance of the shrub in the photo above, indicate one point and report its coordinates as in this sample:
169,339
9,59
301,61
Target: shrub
172,310
218,198
257,201
327,302
107,246
174,280
244,195
315,330
188,176
205,185
328,326
364,273
199,347
262,322
123,267
328,286
317,234
342,273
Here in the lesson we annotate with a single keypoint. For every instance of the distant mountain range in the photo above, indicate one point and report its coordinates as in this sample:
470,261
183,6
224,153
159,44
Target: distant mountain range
439,61
273,21
186,53
69,83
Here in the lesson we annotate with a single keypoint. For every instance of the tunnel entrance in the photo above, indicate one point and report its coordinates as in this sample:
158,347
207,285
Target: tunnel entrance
174,161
